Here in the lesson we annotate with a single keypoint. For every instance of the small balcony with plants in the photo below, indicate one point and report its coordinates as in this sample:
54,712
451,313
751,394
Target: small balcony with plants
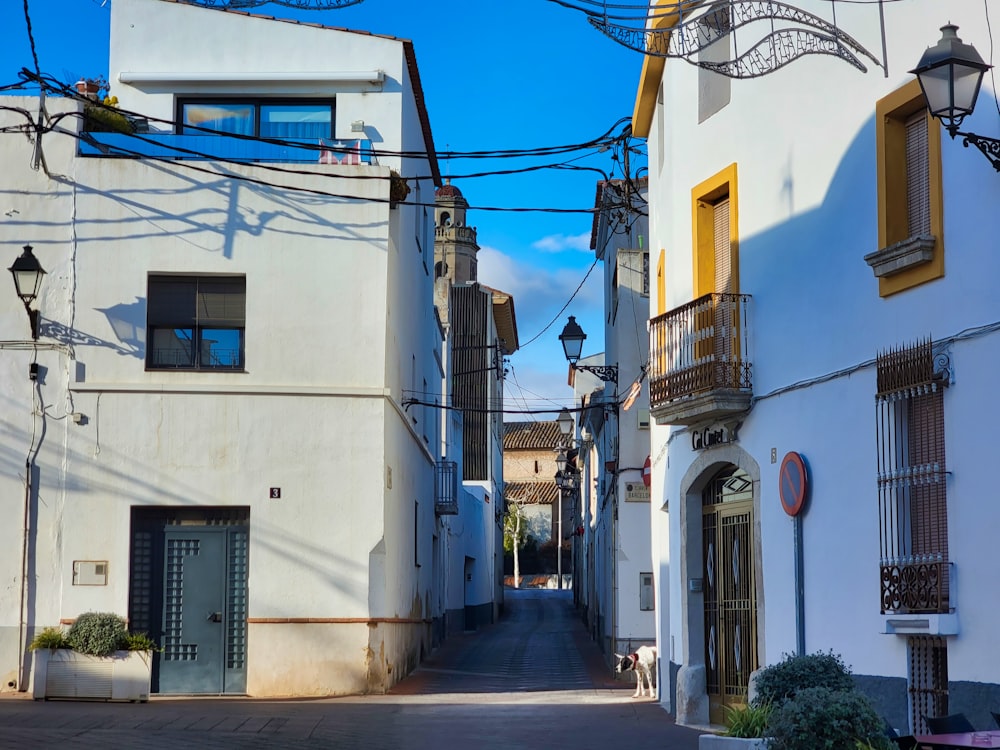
699,366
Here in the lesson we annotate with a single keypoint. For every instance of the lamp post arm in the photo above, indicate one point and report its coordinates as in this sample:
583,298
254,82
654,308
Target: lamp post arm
990,147
607,373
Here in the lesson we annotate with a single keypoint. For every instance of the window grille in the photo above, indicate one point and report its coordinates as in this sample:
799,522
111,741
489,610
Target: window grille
913,517
446,490
928,679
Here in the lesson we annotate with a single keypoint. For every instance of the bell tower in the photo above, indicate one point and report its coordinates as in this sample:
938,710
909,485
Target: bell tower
455,245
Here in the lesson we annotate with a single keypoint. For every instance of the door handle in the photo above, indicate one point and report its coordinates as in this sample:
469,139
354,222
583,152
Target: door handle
214,617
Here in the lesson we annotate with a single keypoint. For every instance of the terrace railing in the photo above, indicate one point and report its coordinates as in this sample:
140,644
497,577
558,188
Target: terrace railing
701,348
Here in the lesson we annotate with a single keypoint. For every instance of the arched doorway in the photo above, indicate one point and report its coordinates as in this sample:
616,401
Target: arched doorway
728,575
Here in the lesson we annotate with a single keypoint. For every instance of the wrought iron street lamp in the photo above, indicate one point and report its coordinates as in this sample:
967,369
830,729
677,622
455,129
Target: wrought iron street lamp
572,339
28,273
951,74
565,422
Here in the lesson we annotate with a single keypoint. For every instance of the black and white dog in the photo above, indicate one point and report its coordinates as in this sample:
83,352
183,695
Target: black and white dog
642,662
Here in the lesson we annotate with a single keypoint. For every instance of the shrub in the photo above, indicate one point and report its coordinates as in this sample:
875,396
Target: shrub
783,680
98,633
820,718
52,638
748,721
140,642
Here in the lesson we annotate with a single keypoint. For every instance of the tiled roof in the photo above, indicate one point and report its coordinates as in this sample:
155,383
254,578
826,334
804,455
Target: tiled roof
531,493
531,435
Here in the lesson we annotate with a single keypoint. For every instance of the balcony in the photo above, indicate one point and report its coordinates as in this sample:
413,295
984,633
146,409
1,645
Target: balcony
918,584
699,366
225,148
446,489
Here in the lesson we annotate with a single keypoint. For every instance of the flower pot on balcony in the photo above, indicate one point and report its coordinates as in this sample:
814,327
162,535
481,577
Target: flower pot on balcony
64,673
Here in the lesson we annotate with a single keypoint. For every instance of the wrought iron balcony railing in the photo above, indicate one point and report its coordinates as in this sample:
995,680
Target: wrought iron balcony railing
918,584
700,349
446,489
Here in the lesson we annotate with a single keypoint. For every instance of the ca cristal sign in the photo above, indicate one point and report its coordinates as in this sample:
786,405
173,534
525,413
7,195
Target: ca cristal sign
716,434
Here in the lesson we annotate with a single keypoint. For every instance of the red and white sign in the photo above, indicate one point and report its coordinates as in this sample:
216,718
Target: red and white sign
793,483
647,472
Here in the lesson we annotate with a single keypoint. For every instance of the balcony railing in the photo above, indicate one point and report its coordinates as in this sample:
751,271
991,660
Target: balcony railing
446,489
699,360
916,585
223,147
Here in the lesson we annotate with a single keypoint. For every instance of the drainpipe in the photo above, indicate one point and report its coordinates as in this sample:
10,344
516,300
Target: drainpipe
22,682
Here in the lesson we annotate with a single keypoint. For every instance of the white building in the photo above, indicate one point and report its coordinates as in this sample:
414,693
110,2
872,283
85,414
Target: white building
616,561
210,433
480,331
825,287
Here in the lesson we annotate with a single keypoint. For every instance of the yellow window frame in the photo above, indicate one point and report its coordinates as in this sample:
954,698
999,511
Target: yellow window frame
891,113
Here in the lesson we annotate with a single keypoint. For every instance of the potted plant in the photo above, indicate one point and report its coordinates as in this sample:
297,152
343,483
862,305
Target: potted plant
806,702
100,113
398,188
97,658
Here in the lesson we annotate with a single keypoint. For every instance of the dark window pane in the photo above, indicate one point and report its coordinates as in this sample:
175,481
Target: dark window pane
171,301
172,347
222,302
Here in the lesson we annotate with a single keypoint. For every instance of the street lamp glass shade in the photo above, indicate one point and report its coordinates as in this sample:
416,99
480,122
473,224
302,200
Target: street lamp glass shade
565,422
27,273
572,338
950,74
561,461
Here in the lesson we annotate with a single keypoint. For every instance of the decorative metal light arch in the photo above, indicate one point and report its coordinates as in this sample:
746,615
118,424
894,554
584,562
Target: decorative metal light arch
698,25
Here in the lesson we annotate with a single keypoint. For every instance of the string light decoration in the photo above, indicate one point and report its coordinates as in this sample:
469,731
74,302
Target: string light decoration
669,31
300,4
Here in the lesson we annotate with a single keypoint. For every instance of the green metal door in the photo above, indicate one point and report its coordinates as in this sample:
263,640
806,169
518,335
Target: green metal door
204,617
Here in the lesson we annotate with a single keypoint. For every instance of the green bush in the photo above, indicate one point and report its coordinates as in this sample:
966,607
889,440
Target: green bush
140,642
51,638
821,718
98,633
781,681
747,721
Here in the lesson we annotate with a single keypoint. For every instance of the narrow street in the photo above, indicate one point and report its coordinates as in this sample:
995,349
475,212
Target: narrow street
533,680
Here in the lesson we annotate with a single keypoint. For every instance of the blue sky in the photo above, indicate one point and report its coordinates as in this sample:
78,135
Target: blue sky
534,74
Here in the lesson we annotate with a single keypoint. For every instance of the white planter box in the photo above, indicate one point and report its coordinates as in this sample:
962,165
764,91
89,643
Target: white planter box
62,673
718,742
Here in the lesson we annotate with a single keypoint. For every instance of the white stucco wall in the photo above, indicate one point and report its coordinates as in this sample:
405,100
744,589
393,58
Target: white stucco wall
803,140
340,329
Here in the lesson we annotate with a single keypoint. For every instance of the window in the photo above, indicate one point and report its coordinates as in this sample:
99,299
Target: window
910,203
912,482
716,241
312,119
646,599
928,679
715,32
196,323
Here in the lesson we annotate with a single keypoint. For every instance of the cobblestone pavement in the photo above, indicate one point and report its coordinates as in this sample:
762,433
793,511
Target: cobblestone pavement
533,680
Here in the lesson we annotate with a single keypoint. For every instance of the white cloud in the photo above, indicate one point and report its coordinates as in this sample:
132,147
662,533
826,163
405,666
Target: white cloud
557,243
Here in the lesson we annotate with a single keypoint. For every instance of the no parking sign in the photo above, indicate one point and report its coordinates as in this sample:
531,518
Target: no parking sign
793,483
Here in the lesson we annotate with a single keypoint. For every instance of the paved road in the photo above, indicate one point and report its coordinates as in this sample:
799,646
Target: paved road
533,680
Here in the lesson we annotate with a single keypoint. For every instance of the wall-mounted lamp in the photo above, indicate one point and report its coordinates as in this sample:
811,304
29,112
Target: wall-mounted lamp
572,338
565,422
28,273
950,75
358,126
